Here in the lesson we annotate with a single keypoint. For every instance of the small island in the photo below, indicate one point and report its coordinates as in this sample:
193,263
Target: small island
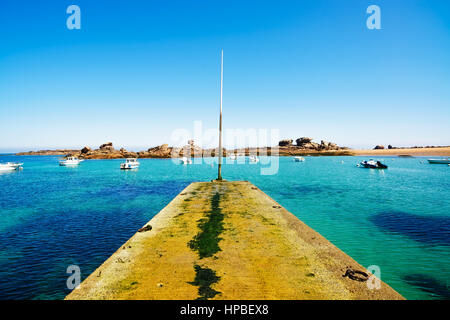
303,146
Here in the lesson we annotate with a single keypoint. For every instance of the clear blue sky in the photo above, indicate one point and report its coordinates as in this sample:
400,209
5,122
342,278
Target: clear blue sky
138,70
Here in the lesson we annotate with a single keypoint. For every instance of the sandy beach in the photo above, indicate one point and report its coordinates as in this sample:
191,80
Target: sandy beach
438,151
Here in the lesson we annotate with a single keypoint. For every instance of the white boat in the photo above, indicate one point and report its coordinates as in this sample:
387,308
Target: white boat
185,160
130,163
439,161
233,157
70,161
254,159
10,166
299,159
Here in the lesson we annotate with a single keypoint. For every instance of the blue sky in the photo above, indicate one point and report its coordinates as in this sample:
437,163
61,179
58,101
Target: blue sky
138,70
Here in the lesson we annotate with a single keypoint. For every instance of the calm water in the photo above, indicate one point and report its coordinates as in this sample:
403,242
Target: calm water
52,217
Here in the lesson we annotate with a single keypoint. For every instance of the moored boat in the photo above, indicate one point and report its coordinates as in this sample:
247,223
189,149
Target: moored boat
70,161
439,161
130,163
372,164
299,159
10,166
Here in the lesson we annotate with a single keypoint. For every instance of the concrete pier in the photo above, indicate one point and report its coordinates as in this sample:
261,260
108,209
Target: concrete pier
228,240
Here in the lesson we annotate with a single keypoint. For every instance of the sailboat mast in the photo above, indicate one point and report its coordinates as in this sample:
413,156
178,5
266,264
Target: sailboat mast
219,177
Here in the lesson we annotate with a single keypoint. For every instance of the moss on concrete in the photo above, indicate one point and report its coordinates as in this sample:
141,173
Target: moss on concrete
204,278
206,242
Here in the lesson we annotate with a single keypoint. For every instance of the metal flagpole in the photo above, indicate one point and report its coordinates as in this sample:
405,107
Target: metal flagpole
219,177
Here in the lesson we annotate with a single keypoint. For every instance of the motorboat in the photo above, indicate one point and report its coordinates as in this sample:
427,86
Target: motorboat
10,166
372,164
70,161
254,159
233,156
439,161
185,160
130,163
299,159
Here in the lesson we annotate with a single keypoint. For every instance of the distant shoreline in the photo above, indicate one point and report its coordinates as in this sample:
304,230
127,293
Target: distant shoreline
282,151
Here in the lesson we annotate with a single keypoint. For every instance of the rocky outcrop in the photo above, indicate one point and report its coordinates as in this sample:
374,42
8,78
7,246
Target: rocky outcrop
379,147
303,141
128,154
107,146
310,145
325,145
86,150
285,142
162,151
105,151
305,145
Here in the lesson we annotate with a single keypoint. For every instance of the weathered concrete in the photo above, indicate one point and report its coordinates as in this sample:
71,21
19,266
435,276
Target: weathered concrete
227,240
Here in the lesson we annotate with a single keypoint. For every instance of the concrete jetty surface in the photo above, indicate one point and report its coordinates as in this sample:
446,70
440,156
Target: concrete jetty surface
228,240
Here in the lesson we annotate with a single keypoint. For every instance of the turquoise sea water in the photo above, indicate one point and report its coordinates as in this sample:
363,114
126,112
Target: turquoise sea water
52,217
